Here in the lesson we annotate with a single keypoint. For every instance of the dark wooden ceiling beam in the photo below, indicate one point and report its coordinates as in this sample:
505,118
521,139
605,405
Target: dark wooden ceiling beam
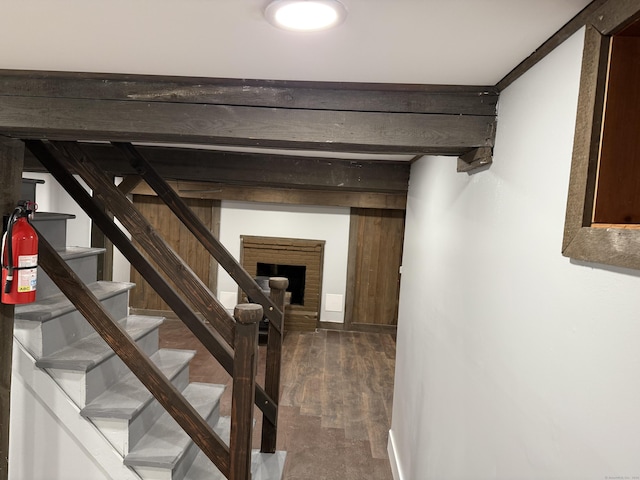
338,117
435,99
254,169
186,123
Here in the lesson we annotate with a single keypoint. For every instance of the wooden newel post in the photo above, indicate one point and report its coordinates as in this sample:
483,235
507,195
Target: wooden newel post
278,286
247,316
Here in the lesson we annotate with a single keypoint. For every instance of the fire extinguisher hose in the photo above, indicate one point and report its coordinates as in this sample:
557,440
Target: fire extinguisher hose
9,233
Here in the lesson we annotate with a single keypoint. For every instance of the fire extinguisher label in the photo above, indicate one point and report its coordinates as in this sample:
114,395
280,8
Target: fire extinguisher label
27,277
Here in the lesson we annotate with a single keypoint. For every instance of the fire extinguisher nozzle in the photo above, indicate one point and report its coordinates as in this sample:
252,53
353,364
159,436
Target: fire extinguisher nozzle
7,286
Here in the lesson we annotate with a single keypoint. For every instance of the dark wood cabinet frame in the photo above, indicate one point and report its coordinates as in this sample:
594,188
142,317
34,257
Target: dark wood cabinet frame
582,241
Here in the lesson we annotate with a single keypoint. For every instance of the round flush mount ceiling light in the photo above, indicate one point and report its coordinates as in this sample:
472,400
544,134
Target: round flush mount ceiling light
305,15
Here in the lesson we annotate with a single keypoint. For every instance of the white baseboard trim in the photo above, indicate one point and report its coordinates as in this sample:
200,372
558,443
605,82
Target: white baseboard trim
393,458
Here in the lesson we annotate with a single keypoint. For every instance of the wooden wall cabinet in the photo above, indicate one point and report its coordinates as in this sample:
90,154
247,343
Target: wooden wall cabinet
603,207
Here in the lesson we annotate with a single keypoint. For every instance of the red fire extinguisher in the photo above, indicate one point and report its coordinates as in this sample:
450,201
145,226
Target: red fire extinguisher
20,257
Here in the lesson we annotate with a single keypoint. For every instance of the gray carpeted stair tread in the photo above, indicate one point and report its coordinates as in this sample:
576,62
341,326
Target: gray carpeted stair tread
57,305
166,442
69,253
93,350
127,398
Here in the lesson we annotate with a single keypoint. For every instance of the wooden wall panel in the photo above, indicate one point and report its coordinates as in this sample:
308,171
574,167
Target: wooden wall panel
143,297
375,250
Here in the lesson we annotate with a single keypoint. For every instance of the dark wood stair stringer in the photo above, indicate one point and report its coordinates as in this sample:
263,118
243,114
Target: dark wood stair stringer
96,211
137,361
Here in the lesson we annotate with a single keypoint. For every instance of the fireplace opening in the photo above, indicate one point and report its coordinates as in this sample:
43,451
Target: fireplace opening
295,273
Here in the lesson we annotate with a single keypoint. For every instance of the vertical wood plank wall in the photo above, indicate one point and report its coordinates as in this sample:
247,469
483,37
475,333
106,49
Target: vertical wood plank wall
373,276
143,298
375,255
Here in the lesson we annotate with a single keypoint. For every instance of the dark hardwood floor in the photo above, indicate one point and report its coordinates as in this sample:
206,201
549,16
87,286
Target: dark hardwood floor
337,389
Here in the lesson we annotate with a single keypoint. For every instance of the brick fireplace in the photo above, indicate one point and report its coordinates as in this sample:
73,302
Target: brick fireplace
300,260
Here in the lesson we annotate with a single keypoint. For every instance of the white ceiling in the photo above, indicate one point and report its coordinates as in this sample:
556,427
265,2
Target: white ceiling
464,42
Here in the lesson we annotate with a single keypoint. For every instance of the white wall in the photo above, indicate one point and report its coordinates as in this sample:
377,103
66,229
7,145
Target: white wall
51,197
42,448
512,361
330,224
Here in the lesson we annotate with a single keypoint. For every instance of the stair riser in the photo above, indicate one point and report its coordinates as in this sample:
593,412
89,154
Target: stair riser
83,387
184,464
123,434
44,338
55,231
84,267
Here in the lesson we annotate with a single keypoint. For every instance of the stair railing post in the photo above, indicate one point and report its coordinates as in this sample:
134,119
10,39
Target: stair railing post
278,286
247,316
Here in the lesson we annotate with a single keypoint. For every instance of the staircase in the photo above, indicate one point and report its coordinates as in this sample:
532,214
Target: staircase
91,394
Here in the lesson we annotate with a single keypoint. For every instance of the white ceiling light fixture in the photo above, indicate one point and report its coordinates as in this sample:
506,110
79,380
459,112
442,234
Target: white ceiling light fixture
305,15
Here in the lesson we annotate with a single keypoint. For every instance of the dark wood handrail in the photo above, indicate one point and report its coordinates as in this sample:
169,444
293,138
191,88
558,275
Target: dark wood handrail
201,232
219,350
143,232
131,354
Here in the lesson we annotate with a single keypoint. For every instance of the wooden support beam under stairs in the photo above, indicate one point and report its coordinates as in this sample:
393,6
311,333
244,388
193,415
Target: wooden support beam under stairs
202,233
105,262
137,361
99,240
